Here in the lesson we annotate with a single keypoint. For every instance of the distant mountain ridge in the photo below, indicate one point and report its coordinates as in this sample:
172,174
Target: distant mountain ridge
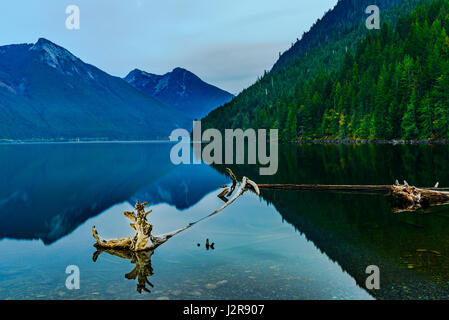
181,90
48,93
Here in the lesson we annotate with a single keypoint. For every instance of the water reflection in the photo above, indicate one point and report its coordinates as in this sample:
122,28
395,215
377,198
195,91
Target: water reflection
209,245
357,230
143,269
56,187
59,187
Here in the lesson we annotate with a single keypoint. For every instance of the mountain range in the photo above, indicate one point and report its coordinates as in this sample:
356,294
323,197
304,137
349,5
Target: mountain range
47,93
180,89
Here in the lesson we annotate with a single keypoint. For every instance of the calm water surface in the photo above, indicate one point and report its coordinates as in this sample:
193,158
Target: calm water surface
284,245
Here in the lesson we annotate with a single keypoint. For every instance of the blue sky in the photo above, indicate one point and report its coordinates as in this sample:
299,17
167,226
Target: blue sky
228,43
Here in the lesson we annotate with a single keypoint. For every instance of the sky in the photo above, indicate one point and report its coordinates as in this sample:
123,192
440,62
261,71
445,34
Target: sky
227,43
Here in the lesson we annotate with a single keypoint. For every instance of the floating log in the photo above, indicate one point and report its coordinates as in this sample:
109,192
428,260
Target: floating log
323,187
409,198
404,197
336,187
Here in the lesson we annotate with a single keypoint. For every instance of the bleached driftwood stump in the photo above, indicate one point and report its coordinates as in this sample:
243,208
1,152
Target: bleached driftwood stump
144,240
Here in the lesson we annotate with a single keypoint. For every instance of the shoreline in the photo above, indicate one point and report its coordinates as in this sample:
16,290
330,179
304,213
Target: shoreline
5,142
298,141
367,141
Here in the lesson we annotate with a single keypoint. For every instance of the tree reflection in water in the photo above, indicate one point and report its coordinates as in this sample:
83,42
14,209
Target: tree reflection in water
143,269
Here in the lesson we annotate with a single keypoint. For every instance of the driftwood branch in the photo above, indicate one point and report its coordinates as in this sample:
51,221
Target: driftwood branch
144,240
140,248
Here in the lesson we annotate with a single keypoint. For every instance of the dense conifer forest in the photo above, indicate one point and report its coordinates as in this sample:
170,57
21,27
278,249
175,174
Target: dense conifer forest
391,83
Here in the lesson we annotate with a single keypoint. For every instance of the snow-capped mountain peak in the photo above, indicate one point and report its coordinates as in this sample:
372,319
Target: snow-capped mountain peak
52,54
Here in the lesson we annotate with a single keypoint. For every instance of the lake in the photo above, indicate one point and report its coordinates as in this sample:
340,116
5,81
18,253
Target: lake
283,245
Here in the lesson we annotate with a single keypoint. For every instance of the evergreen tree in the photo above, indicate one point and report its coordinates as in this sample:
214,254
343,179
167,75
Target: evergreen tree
440,98
409,128
381,117
292,122
425,123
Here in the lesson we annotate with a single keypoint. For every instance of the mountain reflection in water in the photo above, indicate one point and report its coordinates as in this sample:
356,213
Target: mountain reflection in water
56,187
50,190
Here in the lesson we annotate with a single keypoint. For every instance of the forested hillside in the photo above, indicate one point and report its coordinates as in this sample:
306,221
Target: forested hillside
337,23
396,85
391,83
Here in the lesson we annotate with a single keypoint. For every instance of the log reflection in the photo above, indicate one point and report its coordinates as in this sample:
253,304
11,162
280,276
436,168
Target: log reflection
143,269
